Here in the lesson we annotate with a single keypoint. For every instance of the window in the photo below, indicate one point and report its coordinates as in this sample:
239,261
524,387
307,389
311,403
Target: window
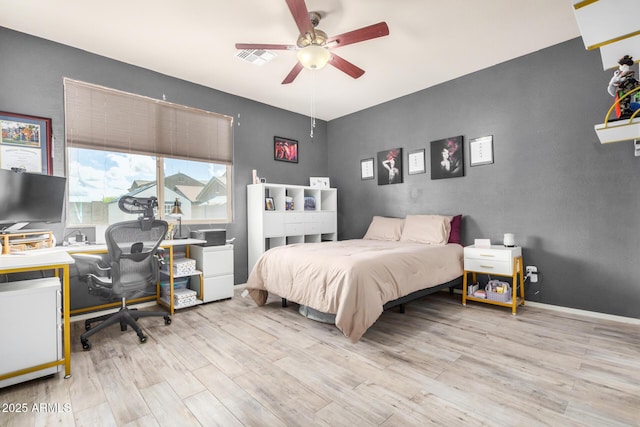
124,144
97,179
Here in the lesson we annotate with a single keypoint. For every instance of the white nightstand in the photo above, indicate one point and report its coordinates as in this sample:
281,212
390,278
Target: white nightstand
495,261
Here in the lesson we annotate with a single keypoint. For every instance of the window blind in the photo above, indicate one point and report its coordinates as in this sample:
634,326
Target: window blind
97,117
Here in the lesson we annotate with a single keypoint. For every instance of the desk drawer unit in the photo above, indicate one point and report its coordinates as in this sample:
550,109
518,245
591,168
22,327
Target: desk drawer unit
216,264
494,260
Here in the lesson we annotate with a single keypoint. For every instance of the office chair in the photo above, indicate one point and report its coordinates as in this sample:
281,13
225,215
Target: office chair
131,266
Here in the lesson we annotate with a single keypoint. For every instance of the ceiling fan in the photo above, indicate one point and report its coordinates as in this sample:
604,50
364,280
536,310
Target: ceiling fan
313,44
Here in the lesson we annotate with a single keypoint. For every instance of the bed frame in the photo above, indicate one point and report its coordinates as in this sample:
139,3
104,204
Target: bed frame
400,302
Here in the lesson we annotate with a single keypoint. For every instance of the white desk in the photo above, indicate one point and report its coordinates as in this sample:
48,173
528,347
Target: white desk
37,261
166,244
102,247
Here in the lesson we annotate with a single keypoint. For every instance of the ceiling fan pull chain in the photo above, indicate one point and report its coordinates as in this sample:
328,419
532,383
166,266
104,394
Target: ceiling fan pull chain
313,102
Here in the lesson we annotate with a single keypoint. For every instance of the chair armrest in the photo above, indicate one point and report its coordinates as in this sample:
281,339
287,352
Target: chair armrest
91,264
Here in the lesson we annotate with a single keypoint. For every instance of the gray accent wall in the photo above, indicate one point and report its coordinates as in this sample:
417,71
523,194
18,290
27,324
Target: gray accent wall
31,83
572,203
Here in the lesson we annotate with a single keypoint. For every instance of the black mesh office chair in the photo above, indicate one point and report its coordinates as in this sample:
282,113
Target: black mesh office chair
132,266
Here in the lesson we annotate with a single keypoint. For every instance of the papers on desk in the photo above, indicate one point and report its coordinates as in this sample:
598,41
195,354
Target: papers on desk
42,251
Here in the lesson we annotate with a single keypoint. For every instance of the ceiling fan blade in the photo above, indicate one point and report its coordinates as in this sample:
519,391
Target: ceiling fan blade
301,15
293,73
366,33
259,46
345,66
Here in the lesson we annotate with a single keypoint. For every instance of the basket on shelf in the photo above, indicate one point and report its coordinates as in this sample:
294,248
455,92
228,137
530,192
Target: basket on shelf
498,291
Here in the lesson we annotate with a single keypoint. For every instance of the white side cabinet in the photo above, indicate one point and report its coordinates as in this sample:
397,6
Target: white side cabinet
279,214
31,332
216,265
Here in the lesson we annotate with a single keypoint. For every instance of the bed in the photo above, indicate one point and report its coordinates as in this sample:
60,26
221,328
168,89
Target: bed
396,260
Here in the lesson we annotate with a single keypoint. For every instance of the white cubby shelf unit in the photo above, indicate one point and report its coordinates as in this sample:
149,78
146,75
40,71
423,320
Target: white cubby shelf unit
285,225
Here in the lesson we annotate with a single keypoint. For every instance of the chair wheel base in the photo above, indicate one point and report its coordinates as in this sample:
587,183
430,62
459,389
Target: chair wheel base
86,345
167,320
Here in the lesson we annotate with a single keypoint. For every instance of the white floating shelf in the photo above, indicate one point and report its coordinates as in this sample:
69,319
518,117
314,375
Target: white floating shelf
603,21
612,53
620,130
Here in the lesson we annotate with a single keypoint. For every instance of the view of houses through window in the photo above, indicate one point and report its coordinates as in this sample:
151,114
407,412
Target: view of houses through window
98,178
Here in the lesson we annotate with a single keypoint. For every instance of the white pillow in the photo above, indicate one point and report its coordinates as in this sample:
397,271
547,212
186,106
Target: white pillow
383,228
432,229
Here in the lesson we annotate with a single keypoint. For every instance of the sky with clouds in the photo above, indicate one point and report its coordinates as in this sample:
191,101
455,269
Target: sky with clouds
95,175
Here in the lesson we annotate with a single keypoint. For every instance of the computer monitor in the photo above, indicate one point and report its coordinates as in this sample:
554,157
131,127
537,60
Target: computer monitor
30,197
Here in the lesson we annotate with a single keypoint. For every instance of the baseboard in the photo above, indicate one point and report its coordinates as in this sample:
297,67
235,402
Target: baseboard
568,310
587,313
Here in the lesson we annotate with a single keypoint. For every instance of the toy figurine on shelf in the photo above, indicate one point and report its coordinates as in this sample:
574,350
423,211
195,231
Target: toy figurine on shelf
622,82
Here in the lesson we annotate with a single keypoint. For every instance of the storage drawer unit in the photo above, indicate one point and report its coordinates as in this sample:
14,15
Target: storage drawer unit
300,214
31,333
216,264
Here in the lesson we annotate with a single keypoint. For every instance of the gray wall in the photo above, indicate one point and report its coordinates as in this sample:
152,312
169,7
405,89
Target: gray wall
31,83
572,203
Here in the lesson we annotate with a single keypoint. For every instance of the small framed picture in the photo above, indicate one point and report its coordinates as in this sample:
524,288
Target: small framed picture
318,182
366,168
481,150
268,204
416,162
285,150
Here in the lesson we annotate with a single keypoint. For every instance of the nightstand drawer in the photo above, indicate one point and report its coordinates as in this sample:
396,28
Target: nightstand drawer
490,266
491,254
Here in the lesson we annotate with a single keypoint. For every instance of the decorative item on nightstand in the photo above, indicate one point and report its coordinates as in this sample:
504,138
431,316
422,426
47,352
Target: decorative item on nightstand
509,240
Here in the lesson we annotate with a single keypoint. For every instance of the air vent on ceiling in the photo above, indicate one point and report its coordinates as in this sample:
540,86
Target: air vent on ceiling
256,56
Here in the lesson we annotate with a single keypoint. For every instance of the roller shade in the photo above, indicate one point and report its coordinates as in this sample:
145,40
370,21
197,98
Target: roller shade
97,117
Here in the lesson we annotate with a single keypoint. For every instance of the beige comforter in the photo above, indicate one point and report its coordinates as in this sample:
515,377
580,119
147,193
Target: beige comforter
352,279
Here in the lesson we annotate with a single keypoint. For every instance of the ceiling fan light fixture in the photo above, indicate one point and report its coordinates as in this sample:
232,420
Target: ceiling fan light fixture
314,57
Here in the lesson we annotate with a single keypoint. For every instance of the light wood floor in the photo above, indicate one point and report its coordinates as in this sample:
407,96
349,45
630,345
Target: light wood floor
231,363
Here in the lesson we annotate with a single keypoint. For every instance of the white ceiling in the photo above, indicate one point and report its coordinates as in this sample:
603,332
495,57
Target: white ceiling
430,42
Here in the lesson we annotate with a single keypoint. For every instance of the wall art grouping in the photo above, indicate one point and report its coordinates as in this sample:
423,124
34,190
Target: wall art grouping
446,160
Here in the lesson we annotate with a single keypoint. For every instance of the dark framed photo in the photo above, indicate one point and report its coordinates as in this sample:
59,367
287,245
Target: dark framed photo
447,160
481,151
390,166
26,143
415,162
366,169
269,205
285,150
